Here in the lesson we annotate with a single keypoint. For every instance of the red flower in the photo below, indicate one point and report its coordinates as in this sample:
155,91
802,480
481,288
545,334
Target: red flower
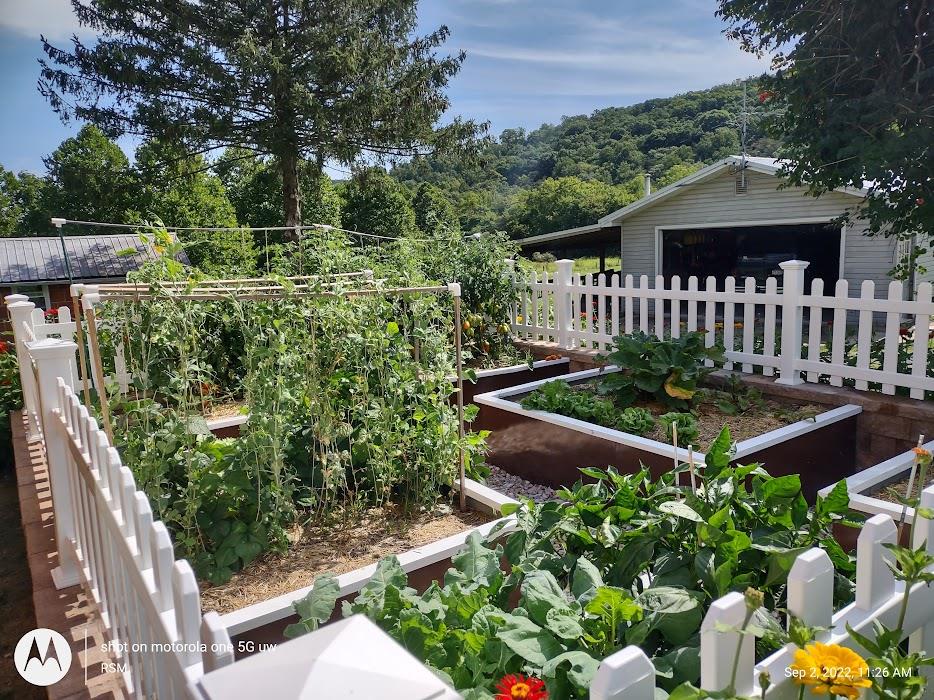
4,347
518,687
766,95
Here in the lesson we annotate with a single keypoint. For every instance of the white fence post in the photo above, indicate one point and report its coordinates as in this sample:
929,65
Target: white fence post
922,640
875,582
55,359
563,302
20,311
719,648
626,675
792,315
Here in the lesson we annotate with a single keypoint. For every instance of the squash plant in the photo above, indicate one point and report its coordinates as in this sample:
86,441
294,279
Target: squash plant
665,370
621,560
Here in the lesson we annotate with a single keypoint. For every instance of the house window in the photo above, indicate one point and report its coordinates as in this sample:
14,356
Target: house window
38,294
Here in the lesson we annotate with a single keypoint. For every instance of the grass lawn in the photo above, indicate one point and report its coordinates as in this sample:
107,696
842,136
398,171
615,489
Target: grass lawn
582,266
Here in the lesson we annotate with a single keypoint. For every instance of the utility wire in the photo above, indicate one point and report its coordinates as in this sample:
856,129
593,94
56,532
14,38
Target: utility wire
304,227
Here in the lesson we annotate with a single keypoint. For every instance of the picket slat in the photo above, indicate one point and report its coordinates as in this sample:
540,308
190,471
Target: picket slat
675,308
892,327
728,320
817,289
749,322
919,353
692,305
864,333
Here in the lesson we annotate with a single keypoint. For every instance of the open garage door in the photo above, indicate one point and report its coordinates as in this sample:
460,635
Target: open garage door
751,251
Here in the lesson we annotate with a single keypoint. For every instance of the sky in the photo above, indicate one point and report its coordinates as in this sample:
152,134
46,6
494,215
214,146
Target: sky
528,61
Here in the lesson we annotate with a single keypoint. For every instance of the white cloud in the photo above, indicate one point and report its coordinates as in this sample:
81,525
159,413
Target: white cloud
53,19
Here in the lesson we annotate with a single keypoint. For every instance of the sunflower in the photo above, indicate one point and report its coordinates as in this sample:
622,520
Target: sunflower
829,669
518,687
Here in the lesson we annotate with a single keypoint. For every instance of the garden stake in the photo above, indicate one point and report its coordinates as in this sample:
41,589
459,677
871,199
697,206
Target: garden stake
98,367
674,444
79,331
456,292
691,469
911,485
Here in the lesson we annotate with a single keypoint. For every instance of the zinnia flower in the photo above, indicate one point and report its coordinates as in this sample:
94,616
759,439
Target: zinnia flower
4,347
830,669
518,687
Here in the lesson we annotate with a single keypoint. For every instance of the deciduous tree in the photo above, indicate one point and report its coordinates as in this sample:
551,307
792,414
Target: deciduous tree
856,84
293,79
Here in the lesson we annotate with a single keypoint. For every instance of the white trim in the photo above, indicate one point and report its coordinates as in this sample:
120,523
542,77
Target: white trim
498,399
280,607
539,364
748,224
17,289
842,251
863,481
227,421
564,233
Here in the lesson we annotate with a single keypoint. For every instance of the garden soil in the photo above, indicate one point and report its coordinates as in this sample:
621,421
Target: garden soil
338,548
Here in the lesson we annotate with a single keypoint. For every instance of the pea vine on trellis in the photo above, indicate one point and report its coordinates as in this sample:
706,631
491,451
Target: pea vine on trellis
348,400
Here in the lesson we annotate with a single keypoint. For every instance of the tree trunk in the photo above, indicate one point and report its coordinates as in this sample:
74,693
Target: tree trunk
291,194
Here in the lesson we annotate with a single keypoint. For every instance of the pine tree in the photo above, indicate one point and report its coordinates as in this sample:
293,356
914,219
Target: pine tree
293,79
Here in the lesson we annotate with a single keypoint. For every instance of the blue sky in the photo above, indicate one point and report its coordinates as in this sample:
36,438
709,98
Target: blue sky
528,61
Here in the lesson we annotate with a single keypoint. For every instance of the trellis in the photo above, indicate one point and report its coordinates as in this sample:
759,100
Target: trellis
86,297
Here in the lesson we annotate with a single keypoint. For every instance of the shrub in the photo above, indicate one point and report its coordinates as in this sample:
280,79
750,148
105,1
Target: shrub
667,371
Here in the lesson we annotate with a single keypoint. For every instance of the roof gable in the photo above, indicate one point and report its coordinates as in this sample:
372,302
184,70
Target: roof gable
767,166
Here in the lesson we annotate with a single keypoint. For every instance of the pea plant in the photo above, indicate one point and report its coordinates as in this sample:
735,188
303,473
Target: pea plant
348,402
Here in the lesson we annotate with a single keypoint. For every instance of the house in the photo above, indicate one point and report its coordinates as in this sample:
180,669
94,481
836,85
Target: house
43,268
734,218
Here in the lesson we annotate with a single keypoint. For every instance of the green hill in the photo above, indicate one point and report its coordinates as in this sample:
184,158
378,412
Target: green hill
512,185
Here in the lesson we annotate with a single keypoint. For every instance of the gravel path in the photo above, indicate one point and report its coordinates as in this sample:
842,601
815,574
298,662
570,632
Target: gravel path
514,486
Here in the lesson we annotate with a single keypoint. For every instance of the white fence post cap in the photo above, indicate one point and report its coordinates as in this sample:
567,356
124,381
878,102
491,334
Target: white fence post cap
15,298
794,264
49,348
454,288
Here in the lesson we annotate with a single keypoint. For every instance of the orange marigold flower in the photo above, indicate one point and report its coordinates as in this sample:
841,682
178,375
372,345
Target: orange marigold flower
518,687
830,669
922,454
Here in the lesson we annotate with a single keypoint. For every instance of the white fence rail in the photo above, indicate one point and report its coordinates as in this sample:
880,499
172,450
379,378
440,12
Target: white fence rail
776,328
629,674
108,542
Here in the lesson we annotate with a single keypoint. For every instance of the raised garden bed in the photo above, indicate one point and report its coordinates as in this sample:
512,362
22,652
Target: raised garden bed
550,449
877,489
263,622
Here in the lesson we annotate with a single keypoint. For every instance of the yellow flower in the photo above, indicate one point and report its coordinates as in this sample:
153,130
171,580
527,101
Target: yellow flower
829,669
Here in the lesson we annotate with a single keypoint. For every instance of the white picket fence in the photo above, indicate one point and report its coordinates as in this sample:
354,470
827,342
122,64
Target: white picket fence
29,325
108,541
776,329
150,604
629,674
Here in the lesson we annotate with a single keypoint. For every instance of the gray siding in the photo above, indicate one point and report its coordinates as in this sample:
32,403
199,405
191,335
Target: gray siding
714,202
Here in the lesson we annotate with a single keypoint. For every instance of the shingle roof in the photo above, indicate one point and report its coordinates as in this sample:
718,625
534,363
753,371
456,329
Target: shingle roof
40,259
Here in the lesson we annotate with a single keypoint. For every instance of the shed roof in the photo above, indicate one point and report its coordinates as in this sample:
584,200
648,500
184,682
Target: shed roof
40,259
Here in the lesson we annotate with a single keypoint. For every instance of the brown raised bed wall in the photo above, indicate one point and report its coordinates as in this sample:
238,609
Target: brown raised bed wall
888,425
553,455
